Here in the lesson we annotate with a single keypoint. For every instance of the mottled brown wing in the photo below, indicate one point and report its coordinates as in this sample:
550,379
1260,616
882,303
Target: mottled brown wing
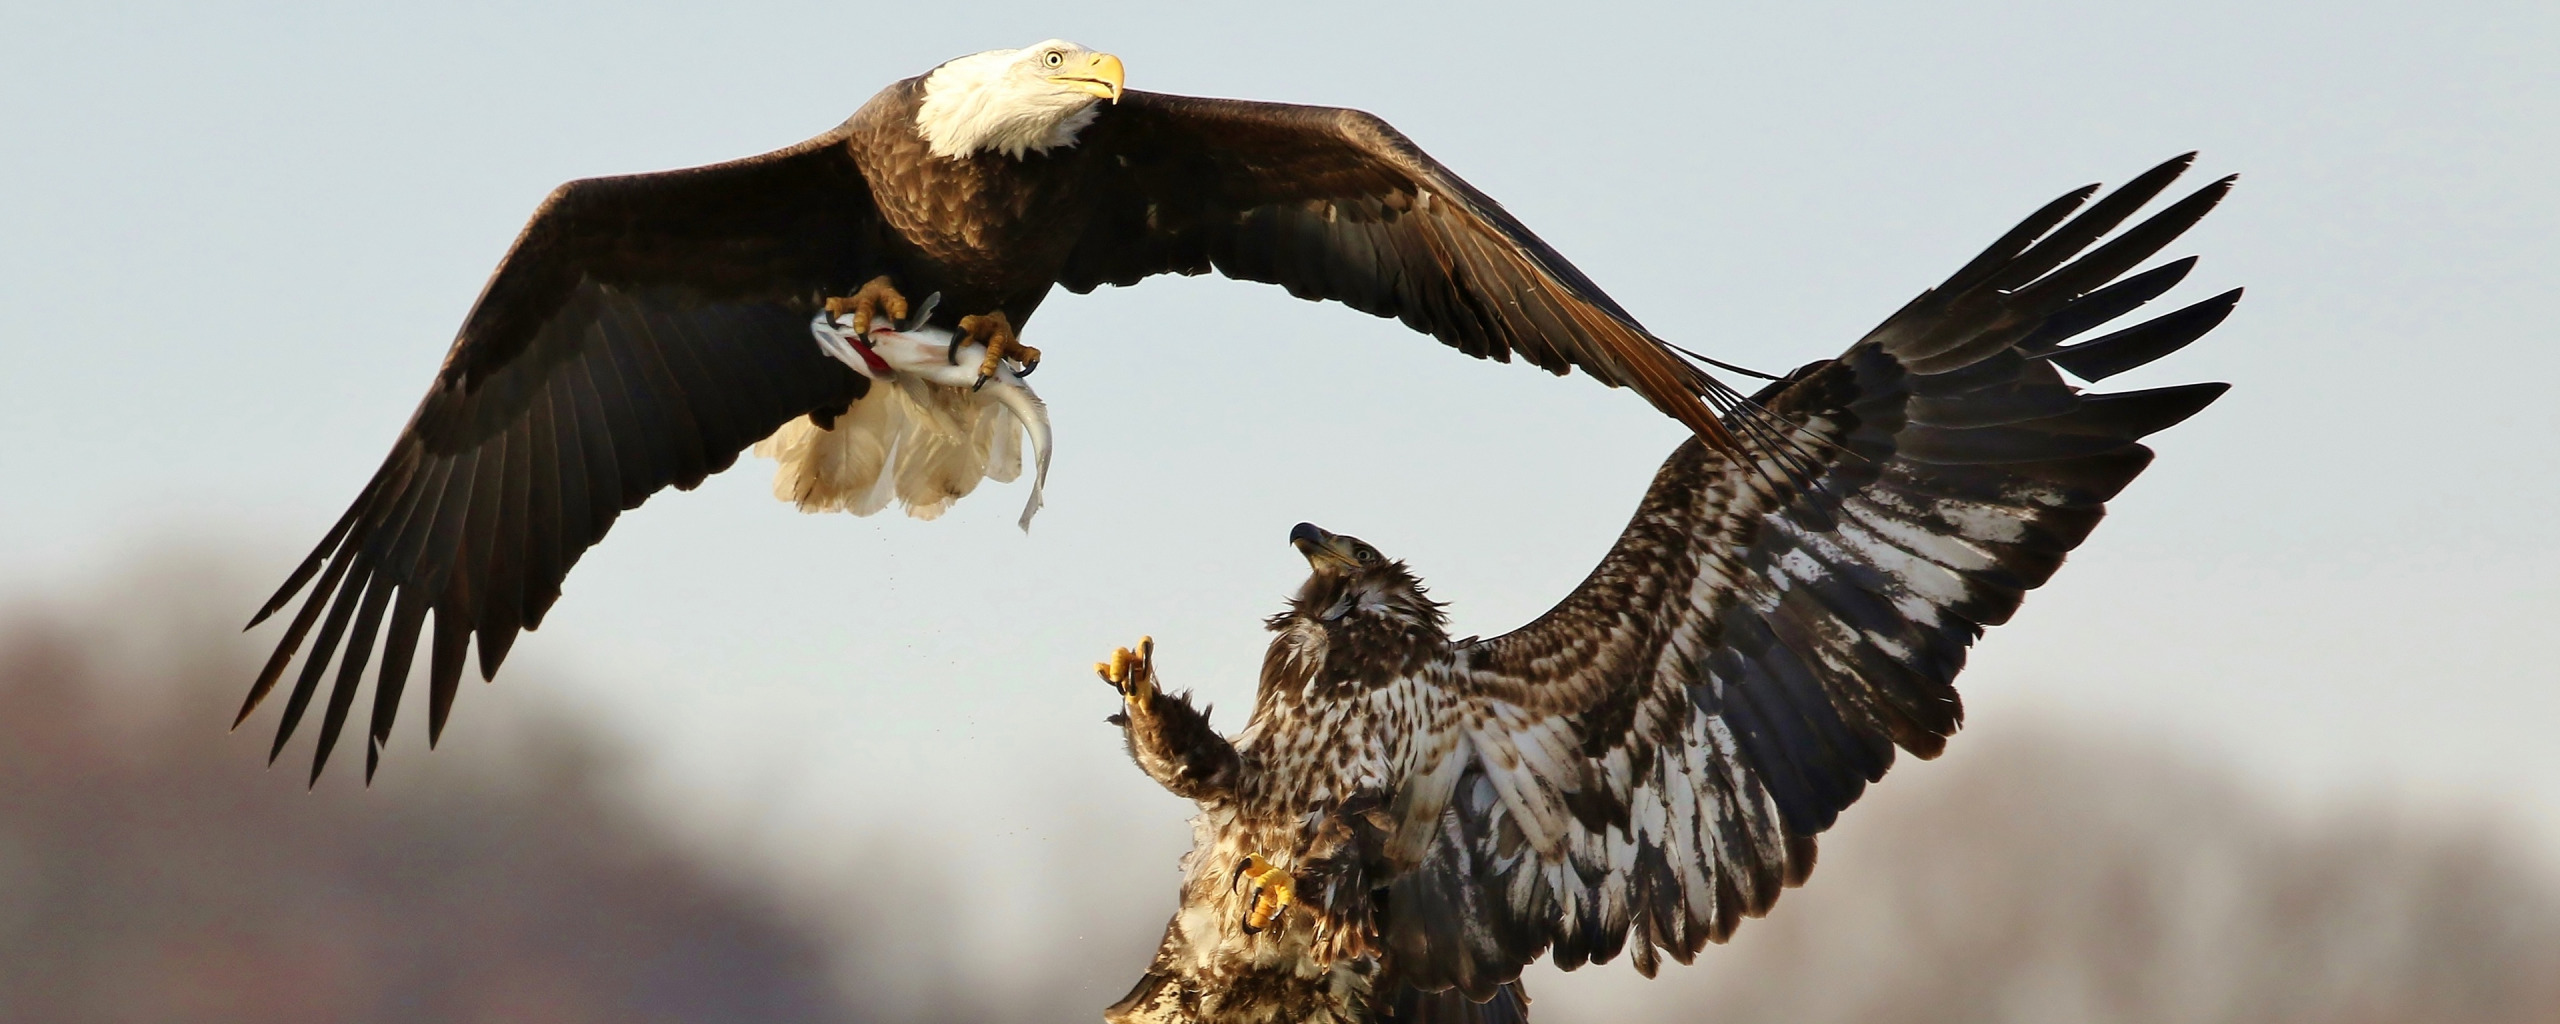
642,331
1647,764
1337,204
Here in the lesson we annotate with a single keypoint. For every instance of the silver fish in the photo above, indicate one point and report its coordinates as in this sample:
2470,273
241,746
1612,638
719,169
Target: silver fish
915,349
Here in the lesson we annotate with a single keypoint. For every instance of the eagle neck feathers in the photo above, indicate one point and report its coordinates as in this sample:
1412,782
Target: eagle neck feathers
1347,633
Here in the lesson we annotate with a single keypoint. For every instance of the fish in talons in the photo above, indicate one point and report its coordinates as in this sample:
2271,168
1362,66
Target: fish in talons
924,434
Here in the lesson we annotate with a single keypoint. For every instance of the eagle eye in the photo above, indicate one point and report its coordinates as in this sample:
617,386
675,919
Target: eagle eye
1055,58
1364,554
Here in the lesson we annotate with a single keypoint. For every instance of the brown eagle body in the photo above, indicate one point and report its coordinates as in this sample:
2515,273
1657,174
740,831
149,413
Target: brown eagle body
989,231
1407,820
645,329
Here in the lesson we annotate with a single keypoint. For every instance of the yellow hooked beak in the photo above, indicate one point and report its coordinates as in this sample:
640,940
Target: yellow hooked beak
1101,76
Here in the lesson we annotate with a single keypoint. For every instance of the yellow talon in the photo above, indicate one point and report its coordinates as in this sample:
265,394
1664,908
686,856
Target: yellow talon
1273,891
995,331
1132,673
872,299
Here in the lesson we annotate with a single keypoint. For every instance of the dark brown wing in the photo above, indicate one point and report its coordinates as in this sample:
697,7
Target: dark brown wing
1648,763
642,331
1336,204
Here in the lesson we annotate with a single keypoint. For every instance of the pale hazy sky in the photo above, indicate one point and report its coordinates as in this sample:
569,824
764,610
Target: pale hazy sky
235,241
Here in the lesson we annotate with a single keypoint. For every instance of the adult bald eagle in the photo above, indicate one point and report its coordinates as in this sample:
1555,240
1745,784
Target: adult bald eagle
1407,819
645,329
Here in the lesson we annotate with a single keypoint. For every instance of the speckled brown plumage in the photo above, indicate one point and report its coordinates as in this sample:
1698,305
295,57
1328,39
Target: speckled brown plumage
1647,764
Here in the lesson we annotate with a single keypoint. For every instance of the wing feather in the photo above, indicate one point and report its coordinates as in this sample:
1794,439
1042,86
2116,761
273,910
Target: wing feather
1665,743
399,650
342,694
642,332
1337,204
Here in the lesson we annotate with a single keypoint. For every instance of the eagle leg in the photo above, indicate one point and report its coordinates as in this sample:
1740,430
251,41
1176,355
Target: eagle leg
867,303
995,331
1273,891
1168,737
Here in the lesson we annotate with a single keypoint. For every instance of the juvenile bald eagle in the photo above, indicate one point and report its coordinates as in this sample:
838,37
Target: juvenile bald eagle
645,329
1407,820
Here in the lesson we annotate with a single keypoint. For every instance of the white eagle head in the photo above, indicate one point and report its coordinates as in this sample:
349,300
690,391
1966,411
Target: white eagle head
1015,102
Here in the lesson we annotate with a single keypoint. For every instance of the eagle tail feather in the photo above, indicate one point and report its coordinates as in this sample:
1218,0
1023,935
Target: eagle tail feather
922,445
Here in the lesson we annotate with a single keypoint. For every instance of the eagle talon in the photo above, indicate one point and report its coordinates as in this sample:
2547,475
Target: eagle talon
1132,673
868,302
995,331
1273,891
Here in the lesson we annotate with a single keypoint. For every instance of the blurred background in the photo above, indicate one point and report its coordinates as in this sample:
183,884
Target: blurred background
2274,747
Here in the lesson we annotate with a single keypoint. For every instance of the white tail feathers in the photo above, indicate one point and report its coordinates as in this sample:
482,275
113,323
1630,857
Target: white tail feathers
921,444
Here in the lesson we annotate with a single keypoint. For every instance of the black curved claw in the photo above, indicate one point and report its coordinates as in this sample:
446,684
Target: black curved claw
982,381
1027,366
951,352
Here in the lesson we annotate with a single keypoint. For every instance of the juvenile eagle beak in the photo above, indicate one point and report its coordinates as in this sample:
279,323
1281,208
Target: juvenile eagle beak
1322,549
1101,76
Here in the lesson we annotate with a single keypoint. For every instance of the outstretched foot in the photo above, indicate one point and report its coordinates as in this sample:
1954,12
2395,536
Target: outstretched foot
1273,891
867,303
1133,673
995,332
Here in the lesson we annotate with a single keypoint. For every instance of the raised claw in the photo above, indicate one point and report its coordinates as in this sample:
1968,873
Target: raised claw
1132,673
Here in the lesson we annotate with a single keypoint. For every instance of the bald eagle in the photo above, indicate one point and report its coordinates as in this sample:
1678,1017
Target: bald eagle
644,330
1406,819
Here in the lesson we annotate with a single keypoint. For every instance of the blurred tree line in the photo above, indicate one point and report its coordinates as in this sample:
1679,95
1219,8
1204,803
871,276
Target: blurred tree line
150,871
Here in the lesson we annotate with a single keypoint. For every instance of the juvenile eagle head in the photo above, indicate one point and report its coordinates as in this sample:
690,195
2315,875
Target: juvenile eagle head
1015,102
1366,615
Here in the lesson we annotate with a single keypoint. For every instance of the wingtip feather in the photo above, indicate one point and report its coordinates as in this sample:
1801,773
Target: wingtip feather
256,696
2100,358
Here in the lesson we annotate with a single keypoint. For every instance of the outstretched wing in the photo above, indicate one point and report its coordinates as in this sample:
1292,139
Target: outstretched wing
641,332
1647,763
1337,204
